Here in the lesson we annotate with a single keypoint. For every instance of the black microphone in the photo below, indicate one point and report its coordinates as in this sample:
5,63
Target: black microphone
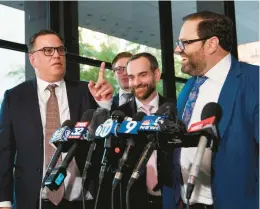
117,116
164,110
58,175
211,114
99,117
127,153
58,139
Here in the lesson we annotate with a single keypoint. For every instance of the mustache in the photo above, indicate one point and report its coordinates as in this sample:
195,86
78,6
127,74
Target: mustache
139,86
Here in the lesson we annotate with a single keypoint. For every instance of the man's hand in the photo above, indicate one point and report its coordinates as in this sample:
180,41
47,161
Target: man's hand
102,90
5,208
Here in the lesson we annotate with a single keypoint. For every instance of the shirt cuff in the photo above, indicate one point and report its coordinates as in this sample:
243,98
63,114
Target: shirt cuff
105,104
6,204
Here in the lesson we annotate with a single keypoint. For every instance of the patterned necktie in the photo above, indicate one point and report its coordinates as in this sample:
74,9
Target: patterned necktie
52,123
192,100
127,96
151,166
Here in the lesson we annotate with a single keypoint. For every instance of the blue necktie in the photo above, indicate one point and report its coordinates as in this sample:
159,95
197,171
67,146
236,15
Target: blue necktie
192,100
186,119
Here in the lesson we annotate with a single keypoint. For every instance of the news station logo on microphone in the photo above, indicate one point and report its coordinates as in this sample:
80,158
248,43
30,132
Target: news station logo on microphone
78,130
150,123
202,124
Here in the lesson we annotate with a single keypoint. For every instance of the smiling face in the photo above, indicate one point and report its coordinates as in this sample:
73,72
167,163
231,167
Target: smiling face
48,68
142,79
193,56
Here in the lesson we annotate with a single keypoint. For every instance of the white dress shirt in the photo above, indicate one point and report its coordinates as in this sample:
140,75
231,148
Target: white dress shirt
208,92
61,93
122,99
155,104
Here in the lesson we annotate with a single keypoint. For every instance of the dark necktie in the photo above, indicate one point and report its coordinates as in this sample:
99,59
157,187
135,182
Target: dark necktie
52,123
127,96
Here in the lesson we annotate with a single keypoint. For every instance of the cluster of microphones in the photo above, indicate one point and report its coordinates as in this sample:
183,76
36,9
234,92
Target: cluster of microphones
161,130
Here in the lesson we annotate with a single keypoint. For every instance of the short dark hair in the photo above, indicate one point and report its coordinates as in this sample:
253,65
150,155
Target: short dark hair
214,24
119,56
43,32
152,60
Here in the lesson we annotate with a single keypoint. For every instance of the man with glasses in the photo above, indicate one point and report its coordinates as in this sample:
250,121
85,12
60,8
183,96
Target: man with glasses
30,114
119,67
229,177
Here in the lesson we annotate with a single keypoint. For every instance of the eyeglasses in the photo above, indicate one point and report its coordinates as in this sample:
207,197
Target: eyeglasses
49,51
119,69
181,43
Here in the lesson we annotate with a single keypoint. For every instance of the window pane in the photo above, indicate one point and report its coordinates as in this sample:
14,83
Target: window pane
108,28
247,25
20,19
12,70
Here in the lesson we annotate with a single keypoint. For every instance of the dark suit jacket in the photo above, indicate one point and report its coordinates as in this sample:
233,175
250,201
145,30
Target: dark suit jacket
115,102
138,193
21,135
235,166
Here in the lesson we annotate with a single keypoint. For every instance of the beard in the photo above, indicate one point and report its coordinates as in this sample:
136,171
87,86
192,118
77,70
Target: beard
196,63
146,93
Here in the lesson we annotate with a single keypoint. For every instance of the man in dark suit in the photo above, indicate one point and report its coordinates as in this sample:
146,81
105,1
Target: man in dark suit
143,73
119,67
28,112
228,178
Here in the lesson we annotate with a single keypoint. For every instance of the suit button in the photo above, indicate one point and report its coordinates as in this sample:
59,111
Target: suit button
41,145
38,170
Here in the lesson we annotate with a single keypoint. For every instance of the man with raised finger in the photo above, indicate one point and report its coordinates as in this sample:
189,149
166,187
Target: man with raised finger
29,115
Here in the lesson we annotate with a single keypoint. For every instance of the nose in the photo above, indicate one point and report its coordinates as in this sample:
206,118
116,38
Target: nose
136,81
177,50
56,54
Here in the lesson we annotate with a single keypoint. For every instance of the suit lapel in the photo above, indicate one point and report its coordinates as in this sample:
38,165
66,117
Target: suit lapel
72,100
33,107
116,100
228,94
184,96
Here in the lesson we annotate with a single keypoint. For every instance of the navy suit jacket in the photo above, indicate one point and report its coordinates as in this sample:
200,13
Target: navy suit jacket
235,169
115,102
21,135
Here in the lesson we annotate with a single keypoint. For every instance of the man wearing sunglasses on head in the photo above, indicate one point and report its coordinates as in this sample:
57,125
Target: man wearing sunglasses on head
30,114
119,67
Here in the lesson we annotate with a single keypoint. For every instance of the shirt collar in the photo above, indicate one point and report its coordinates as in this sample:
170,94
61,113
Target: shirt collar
121,91
154,102
219,72
42,85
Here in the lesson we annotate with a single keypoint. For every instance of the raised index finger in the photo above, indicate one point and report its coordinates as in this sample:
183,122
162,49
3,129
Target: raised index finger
101,73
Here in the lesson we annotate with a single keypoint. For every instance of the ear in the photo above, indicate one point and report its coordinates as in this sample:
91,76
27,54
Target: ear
212,44
32,61
157,74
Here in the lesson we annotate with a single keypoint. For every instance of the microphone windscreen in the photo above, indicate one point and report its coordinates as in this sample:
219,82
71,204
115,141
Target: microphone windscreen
139,116
118,115
212,109
99,117
68,123
87,116
169,109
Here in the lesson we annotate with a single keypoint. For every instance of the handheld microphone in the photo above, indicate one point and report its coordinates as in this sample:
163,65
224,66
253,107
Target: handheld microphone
117,117
212,112
128,150
99,117
58,139
164,110
58,175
